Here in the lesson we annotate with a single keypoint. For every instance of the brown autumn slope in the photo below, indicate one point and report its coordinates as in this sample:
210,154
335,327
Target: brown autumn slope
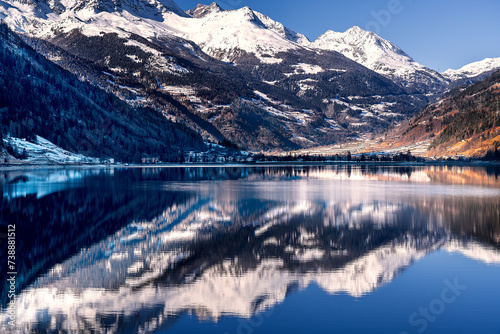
464,122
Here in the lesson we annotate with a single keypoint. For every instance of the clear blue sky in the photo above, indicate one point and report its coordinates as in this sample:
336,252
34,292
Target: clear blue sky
440,34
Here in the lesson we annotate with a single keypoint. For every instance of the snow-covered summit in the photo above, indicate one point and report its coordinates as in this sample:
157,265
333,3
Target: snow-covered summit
280,29
378,54
227,34
148,8
204,10
473,69
223,34
139,7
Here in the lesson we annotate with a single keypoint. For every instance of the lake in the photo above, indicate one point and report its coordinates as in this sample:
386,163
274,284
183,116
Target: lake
266,249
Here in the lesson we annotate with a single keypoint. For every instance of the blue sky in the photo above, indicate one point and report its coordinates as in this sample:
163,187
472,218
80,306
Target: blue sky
439,34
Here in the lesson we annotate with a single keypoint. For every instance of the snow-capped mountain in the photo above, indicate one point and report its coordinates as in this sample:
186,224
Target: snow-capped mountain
170,62
208,10
229,34
473,69
221,72
226,35
261,21
380,55
144,8
245,30
66,114
204,10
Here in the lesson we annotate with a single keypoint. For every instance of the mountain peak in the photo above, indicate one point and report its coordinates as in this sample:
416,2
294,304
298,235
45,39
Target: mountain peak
354,35
378,54
227,34
248,13
360,32
204,10
358,38
473,69
356,29
43,7
138,7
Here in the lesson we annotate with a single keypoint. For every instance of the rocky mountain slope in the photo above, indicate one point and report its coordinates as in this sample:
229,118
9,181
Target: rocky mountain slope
464,122
383,57
277,94
472,70
230,34
231,75
37,97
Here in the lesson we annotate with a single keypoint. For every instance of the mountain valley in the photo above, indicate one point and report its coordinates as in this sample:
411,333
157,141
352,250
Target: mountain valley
236,76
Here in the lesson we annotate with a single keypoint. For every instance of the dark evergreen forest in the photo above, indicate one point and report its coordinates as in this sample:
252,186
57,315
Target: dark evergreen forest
38,97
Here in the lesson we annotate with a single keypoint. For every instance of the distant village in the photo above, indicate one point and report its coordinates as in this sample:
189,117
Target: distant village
221,155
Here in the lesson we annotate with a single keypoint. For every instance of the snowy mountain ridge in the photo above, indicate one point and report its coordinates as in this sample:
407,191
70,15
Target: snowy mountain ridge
339,87
378,54
203,10
227,34
473,69
222,34
140,7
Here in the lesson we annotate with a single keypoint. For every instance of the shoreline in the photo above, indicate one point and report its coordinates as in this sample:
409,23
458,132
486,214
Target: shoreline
27,167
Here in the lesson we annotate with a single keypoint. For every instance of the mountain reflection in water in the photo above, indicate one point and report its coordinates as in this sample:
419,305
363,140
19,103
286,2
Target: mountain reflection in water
131,250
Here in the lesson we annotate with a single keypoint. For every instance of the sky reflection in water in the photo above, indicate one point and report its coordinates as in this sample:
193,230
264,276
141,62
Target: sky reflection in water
269,249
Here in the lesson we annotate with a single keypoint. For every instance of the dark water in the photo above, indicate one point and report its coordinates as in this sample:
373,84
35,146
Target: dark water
254,250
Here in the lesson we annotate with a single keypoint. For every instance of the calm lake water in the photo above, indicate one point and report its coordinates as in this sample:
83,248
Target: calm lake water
330,249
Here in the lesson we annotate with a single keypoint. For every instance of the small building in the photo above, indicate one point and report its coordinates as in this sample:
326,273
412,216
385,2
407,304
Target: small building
107,161
220,159
148,159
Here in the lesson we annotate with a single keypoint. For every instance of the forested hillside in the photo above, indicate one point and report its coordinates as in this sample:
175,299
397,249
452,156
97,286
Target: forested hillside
464,122
37,97
471,118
